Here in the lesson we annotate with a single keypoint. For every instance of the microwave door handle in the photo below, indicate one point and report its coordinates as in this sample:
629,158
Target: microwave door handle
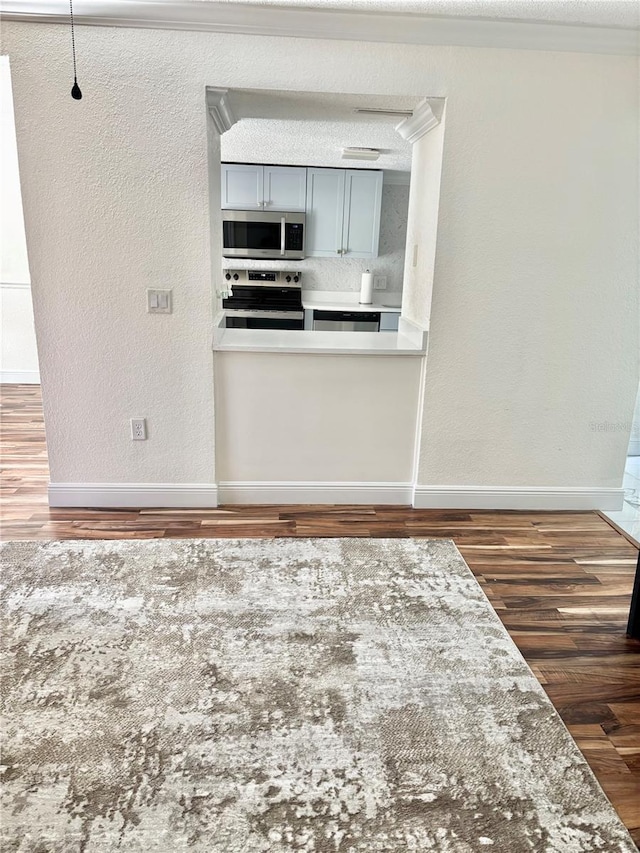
283,232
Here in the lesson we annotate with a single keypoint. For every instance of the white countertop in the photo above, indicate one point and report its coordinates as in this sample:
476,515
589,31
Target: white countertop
409,341
339,300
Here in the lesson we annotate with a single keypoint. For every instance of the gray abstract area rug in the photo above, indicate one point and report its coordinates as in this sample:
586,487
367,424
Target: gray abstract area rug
252,696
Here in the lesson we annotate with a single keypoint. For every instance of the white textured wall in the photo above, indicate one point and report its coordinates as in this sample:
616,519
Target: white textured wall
18,352
534,321
345,273
115,198
534,303
316,417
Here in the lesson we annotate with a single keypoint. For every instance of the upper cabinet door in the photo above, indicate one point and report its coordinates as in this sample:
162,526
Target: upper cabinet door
325,205
285,188
361,222
241,187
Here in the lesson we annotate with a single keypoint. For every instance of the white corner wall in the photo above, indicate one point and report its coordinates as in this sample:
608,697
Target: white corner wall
422,227
18,351
534,310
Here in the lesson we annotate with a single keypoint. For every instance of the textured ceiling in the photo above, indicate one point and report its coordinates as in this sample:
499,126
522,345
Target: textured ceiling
312,128
314,143
607,13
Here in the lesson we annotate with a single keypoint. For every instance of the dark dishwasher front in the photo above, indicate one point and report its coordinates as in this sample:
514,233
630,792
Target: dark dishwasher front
346,321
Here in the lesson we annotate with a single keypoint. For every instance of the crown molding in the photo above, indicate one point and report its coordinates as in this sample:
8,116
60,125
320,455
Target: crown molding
219,106
321,23
415,126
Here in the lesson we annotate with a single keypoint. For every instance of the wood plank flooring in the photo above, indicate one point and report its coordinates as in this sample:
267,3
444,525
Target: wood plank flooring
560,581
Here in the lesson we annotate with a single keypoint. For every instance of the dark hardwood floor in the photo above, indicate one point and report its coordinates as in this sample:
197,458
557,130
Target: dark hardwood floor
560,581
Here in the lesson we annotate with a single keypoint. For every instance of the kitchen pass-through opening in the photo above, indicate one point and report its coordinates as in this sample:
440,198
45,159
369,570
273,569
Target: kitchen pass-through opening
321,186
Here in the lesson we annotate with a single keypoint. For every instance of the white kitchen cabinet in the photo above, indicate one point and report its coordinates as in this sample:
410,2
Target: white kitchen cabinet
254,187
325,211
242,186
362,203
343,213
285,188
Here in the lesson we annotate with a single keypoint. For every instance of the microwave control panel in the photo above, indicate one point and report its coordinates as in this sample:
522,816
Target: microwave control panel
294,234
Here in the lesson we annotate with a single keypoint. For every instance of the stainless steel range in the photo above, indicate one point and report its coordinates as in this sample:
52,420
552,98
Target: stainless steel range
263,299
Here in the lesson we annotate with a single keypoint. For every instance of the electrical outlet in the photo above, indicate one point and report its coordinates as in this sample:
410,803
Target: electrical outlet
379,282
159,301
415,255
138,429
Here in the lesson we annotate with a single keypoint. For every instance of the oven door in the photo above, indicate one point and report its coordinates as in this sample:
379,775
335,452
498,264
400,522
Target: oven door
239,319
258,234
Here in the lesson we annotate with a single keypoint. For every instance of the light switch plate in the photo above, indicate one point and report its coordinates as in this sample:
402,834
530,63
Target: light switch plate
159,301
379,282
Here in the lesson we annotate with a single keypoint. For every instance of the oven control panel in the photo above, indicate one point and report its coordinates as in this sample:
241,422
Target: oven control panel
265,278
255,275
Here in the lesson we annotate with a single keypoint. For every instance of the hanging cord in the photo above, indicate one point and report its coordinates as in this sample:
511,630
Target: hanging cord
76,94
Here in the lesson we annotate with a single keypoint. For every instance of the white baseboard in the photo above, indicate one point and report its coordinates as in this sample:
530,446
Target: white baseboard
314,493
165,495
20,377
516,497
208,495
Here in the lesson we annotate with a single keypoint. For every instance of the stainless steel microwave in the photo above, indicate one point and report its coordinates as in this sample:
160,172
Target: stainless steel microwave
258,234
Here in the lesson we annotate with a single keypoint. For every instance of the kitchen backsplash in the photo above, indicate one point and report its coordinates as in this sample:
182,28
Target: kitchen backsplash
344,273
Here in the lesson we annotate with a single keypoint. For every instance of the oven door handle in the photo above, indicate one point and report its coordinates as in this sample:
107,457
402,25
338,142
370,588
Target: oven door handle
283,233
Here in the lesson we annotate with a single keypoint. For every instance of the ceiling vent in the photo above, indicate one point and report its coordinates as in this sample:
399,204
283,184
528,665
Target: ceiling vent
372,111
360,153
